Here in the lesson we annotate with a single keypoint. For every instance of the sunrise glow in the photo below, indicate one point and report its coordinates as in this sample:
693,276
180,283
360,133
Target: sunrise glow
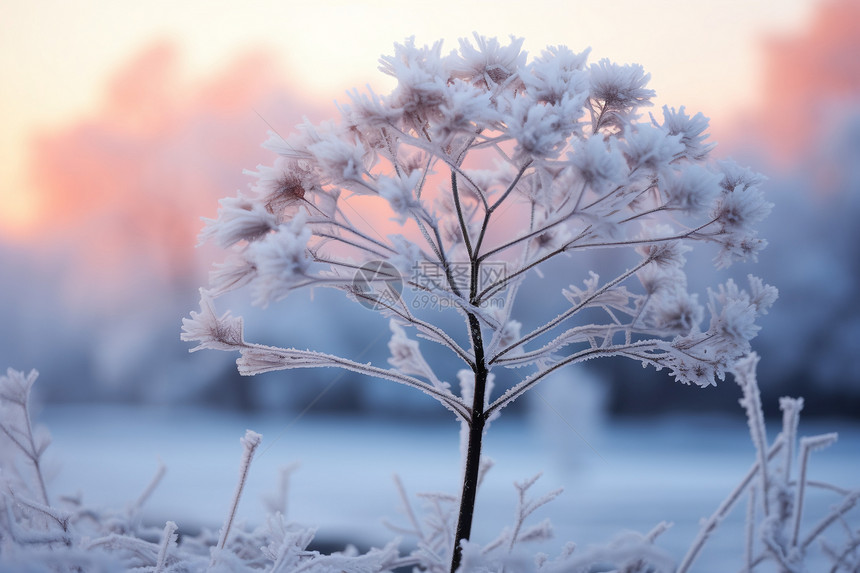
131,76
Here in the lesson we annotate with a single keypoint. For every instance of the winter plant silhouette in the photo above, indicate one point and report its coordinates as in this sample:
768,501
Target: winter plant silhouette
494,165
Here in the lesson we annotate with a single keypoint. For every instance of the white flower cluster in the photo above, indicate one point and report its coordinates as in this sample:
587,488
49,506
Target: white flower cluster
569,151
484,160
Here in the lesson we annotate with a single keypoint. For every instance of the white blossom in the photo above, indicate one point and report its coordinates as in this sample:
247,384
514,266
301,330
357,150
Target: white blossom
739,210
558,74
467,110
239,219
599,163
617,91
400,194
691,129
281,261
494,165
209,330
421,80
664,251
676,311
650,147
341,159
539,130
489,64
691,190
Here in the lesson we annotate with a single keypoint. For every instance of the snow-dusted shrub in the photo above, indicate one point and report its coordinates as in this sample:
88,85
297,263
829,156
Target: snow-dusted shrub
490,164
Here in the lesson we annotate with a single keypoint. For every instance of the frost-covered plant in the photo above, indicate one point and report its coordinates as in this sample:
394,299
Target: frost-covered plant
64,534
492,165
776,499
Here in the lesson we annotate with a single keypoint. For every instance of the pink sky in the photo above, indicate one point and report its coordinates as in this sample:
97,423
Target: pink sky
124,163
140,72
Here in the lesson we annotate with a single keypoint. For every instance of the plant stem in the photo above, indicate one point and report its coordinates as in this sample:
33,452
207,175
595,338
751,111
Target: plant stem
473,450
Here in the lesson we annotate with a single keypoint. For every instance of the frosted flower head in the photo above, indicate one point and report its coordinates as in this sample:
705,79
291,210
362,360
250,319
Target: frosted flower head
739,210
540,131
558,73
239,219
281,261
209,330
677,312
620,85
654,278
693,190
488,64
421,80
617,90
738,178
649,147
466,110
692,131
733,312
687,369
554,238
738,246
509,334
400,194
15,385
372,110
600,164
662,252
235,272
341,160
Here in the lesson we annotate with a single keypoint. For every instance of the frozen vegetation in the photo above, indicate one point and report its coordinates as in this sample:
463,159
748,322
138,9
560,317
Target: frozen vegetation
441,199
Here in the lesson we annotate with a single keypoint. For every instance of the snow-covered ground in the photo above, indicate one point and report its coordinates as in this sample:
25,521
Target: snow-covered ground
629,476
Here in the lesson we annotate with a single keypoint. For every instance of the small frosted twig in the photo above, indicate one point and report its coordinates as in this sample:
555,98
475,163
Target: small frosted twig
259,358
277,503
249,444
486,465
840,510
840,559
407,508
526,507
168,539
61,517
791,408
744,370
571,311
807,446
522,387
658,530
750,531
153,483
712,522
19,535
18,392
778,553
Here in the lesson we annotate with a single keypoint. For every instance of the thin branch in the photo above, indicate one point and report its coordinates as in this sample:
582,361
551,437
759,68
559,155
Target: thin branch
522,387
570,312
